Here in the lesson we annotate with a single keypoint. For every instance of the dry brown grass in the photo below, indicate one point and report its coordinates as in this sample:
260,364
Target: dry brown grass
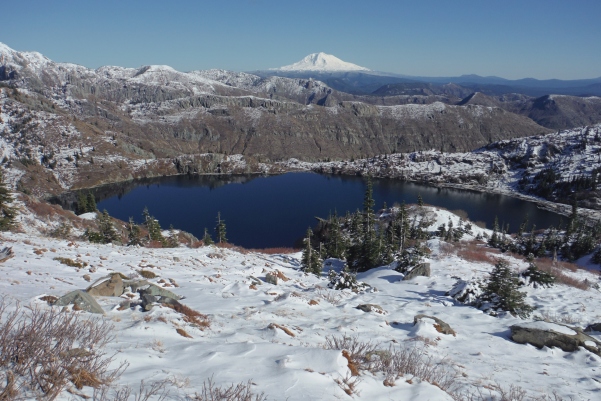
70,262
351,364
183,333
191,316
477,253
284,329
558,269
147,273
154,244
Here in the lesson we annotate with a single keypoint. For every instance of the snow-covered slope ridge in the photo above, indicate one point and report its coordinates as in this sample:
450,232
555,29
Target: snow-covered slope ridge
247,322
321,62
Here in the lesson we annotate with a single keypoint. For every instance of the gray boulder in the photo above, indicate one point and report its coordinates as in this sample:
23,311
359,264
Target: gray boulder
423,269
157,291
83,299
439,325
544,334
153,294
110,286
371,308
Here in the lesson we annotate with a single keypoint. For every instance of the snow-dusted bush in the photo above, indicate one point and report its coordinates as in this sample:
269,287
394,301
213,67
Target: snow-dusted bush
346,280
467,291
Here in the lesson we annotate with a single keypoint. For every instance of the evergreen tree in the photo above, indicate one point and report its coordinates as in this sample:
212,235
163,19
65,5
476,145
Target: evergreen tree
537,277
106,231
82,203
134,236
420,201
501,291
207,239
494,239
172,241
402,226
220,229
91,203
369,257
335,245
7,213
153,227
310,260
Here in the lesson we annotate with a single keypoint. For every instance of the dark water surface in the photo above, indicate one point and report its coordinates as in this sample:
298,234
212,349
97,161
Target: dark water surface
276,211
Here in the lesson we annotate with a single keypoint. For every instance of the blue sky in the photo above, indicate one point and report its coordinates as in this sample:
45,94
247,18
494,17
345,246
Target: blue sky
512,39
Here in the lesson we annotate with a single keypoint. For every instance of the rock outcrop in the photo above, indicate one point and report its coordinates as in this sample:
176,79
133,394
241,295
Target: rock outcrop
543,334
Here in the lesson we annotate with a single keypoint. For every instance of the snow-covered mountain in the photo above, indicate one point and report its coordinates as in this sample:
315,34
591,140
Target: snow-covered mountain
321,62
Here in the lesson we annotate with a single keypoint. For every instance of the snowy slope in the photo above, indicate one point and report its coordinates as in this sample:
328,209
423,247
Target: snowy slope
321,62
241,344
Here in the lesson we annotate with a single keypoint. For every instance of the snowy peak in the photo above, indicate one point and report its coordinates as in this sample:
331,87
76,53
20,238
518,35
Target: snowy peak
321,62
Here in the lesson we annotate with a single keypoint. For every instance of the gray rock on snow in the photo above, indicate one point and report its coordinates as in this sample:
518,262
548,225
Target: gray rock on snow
423,269
83,299
371,308
542,334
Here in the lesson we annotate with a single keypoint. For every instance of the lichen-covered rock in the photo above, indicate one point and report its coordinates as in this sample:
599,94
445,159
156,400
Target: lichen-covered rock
544,334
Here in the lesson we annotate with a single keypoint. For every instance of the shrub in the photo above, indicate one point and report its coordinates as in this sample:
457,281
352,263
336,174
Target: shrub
42,351
235,392
63,231
346,281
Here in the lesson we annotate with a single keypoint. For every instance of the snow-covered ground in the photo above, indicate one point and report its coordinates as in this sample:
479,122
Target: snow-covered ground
241,343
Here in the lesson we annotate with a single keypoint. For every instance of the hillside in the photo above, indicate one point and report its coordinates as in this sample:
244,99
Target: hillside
282,330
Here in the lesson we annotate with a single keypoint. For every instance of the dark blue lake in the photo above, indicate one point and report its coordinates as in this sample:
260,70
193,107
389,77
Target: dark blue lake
276,211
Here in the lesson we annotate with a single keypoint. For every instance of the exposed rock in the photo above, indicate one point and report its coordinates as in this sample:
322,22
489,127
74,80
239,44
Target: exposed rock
81,298
440,326
255,281
155,290
6,253
152,294
593,327
543,334
271,278
110,286
371,308
135,284
423,269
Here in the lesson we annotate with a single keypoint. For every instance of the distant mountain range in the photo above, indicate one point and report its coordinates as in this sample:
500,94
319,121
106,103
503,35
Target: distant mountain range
63,125
352,78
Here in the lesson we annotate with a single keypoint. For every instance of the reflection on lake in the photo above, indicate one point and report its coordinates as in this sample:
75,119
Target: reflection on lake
275,211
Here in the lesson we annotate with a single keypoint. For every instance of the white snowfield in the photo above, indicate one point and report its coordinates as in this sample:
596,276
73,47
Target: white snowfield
240,344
